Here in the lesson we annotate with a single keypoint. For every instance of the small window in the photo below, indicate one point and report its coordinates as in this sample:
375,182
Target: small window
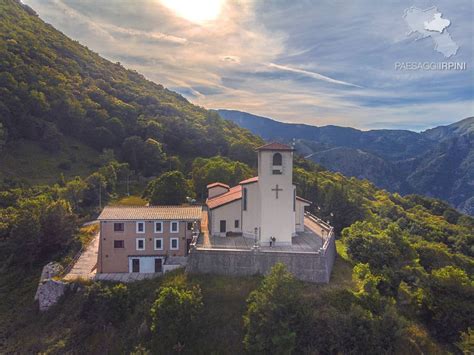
119,244
276,172
174,243
245,199
140,243
190,226
236,223
222,226
158,243
118,227
140,227
159,227
294,199
277,159
174,227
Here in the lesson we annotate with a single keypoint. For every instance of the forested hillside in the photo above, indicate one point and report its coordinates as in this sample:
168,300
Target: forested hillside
438,162
402,281
52,88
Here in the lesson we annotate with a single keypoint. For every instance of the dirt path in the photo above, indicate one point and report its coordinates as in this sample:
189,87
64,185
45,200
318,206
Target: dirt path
86,266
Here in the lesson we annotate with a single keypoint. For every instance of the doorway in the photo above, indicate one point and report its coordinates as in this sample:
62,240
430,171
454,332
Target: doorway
158,265
223,227
135,265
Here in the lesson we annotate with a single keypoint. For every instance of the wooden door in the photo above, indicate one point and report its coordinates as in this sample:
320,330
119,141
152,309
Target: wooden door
158,265
135,265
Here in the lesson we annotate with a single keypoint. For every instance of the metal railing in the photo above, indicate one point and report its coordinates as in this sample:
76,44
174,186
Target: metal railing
325,226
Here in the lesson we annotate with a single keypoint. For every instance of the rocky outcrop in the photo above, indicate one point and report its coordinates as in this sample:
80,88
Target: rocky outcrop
49,290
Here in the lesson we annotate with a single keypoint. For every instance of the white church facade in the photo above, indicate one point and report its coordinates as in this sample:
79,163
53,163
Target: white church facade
264,207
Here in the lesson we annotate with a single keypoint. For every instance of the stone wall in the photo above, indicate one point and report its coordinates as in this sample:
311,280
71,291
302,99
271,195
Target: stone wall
49,291
312,267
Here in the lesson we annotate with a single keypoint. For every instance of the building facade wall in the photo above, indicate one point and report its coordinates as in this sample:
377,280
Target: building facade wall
251,216
277,214
229,213
216,191
311,267
113,259
300,206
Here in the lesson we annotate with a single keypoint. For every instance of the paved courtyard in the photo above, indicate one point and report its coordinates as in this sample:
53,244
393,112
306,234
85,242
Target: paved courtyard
86,266
308,241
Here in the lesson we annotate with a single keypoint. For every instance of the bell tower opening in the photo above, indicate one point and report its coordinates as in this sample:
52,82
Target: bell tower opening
277,167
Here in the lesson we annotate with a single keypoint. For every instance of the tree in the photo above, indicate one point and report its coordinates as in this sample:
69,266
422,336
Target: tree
106,304
74,191
58,224
3,136
217,169
274,314
171,188
447,302
154,157
133,149
175,314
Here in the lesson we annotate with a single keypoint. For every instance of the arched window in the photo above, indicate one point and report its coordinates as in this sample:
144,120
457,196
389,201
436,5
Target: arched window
277,159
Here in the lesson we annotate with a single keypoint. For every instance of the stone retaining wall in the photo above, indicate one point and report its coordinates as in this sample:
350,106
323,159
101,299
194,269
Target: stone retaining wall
312,267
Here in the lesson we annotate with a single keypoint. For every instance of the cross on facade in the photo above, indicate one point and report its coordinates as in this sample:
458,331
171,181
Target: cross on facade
277,189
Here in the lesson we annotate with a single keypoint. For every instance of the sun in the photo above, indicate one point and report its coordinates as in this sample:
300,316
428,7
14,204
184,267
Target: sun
197,11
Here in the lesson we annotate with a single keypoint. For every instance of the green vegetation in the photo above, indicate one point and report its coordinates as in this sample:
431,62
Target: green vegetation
53,89
175,316
403,278
170,188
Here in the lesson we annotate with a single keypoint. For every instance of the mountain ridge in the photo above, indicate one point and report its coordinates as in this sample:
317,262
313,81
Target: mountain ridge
438,162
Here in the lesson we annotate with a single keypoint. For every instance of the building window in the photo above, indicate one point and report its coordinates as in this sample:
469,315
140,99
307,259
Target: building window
223,226
158,227
140,243
236,223
245,199
158,243
294,199
119,244
174,227
118,227
141,227
190,226
174,243
277,159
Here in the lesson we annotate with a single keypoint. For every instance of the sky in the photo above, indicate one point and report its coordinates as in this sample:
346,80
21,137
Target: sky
316,62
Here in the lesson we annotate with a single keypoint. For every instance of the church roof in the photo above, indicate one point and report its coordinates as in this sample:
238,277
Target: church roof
123,213
249,181
234,194
304,200
276,146
210,186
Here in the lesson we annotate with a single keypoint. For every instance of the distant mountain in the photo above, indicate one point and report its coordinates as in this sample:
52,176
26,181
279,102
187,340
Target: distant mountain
438,162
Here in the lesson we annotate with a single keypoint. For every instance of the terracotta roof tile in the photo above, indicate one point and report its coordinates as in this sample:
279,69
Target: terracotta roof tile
249,181
234,194
214,184
276,146
150,213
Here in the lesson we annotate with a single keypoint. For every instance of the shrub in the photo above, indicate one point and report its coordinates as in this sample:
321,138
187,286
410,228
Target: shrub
175,314
274,314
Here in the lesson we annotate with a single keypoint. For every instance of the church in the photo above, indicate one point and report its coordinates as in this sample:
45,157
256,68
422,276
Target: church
265,207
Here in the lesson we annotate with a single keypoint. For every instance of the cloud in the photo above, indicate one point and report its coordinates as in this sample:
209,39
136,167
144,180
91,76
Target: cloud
325,62
311,74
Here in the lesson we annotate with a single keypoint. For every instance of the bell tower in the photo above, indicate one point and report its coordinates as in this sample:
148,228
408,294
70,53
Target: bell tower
275,180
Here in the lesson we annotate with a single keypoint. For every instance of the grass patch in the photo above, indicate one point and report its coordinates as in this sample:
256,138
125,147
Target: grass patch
26,160
130,201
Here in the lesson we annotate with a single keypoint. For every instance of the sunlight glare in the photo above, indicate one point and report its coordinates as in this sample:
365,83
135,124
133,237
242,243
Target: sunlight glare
197,11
